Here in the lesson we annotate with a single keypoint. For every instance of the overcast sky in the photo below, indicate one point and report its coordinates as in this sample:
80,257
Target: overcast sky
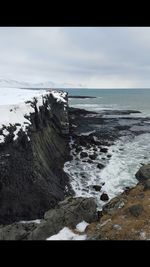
98,57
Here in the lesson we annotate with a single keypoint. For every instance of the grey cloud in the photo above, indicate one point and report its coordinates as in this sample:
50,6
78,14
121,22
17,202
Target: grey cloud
94,56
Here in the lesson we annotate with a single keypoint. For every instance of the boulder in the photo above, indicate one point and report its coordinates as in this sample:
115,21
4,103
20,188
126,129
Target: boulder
93,156
143,173
89,161
100,166
79,149
83,154
68,213
104,197
104,149
97,187
136,210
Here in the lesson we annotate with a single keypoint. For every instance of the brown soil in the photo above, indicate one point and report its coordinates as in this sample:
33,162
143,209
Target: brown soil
122,224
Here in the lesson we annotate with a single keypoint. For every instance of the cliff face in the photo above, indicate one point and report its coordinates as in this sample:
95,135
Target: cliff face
32,179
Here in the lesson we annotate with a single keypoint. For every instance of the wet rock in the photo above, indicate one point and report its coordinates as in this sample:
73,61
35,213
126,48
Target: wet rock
83,175
104,149
100,166
82,141
69,213
78,149
143,173
90,161
83,154
93,156
127,189
136,210
97,187
104,197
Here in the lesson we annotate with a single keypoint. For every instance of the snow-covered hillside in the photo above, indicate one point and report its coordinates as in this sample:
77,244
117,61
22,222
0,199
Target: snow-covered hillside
48,84
18,84
13,108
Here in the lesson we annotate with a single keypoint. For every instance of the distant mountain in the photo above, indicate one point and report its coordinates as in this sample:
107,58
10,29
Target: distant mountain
48,84
14,83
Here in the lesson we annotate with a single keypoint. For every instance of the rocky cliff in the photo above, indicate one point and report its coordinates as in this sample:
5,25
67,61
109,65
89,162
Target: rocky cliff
32,179
127,216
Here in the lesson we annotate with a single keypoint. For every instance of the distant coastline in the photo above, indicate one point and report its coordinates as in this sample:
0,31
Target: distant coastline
79,96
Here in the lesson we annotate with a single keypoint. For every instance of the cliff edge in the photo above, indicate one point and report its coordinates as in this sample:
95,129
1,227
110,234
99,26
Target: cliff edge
33,149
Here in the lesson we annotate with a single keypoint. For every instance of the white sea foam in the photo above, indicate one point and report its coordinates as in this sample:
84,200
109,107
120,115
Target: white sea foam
128,154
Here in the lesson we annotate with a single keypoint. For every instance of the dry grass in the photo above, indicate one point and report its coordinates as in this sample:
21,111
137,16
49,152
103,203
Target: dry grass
129,227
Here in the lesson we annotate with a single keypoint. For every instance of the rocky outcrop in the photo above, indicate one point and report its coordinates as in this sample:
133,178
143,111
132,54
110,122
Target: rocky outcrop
143,173
69,213
32,179
125,217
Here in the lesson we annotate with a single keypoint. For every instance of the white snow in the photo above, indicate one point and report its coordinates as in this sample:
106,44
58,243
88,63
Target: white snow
59,96
32,221
13,107
66,234
82,226
5,132
2,139
87,133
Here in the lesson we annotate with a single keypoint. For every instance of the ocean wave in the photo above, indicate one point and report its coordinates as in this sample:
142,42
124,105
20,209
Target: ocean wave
127,156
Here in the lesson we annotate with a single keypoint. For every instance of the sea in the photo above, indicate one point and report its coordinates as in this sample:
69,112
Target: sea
128,155
136,99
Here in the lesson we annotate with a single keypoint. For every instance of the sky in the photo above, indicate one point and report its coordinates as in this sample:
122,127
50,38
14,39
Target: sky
88,57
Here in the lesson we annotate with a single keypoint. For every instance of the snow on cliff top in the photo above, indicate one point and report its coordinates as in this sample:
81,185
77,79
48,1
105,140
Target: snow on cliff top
13,106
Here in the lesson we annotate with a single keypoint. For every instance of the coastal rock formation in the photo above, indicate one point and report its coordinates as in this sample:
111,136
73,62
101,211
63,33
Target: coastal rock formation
32,179
125,217
69,213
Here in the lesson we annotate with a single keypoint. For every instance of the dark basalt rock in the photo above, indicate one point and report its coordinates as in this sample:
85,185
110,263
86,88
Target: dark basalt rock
104,197
93,156
100,166
32,179
16,231
136,210
97,187
83,154
78,149
90,161
69,213
104,149
143,173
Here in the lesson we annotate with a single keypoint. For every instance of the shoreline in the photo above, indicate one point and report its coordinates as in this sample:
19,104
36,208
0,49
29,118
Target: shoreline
93,134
